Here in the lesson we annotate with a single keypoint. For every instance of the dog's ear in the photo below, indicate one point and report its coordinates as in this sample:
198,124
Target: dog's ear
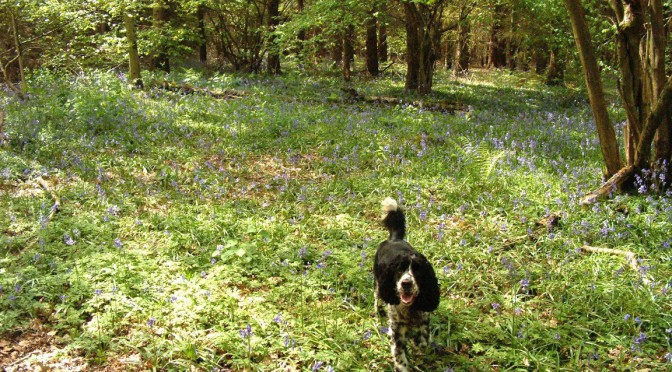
430,295
387,290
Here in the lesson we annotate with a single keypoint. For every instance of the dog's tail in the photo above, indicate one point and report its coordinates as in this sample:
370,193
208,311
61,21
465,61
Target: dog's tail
393,219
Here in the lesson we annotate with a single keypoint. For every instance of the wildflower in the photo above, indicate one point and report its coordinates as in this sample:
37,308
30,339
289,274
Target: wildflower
317,366
518,311
525,283
151,322
302,252
367,335
557,336
638,320
98,292
118,243
67,239
496,306
278,318
247,332
627,316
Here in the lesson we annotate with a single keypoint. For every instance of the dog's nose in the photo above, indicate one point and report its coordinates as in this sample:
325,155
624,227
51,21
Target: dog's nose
407,285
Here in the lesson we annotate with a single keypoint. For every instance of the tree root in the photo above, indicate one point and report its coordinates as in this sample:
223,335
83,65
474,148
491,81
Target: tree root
630,258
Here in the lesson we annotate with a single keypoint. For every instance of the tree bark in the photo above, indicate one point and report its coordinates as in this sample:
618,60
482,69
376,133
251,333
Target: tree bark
202,43
273,66
412,47
382,43
605,129
497,43
555,72
133,56
19,51
462,56
630,17
348,52
160,15
423,35
657,42
372,45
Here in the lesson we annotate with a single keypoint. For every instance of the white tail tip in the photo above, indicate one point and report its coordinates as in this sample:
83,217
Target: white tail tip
388,205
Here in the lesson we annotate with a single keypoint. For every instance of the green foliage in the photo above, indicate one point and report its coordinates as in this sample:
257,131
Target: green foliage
239,234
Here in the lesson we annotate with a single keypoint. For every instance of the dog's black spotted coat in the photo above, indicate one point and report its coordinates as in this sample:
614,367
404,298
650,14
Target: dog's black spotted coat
405,281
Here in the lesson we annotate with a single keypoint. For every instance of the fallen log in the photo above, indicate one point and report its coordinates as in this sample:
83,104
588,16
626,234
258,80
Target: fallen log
618,182
190,89
630,258
447,107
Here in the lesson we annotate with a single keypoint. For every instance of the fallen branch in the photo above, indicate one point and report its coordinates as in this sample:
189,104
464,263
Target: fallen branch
190,89
57,201
444,106
3,137
630,258
617,182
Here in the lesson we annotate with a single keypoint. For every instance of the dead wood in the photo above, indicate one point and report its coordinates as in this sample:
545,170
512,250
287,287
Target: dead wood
57,201
444,106
190,89
617,182
630,258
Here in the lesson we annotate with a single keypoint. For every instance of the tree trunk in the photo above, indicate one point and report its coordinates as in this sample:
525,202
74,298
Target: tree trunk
462,56
631,87
133,57
605,130
555,72
273,66
497,43
382,38
372,45
657,41
412,47
202,43
348,52
19,52
423,35
160,15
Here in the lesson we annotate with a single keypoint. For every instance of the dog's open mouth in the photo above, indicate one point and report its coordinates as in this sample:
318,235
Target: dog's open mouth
407,298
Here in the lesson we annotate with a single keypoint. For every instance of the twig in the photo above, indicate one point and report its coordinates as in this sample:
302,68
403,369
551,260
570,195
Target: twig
630,258
57,201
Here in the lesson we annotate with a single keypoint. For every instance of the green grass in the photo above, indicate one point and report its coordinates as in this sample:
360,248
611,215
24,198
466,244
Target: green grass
185,219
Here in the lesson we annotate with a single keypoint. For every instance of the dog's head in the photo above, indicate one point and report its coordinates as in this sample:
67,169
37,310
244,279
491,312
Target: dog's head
409,279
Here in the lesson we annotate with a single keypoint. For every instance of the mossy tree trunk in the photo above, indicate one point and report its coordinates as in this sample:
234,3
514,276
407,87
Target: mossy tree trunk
132,45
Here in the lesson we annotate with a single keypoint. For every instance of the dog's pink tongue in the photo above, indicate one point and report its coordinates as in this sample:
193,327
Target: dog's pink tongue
407,298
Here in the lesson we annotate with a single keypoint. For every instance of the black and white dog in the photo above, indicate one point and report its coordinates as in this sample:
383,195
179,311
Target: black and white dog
406,282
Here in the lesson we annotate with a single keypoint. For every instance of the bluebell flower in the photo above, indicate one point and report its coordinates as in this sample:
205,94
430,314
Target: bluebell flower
151,322
246,332
98,292
367,335
317,365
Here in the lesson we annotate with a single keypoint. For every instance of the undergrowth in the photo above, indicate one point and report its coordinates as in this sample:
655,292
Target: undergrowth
239,234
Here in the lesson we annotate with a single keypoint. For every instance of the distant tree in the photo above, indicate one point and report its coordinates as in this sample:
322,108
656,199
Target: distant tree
462,55
645,91
424,27
273,60
132,45
372,58
497,42
161,12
